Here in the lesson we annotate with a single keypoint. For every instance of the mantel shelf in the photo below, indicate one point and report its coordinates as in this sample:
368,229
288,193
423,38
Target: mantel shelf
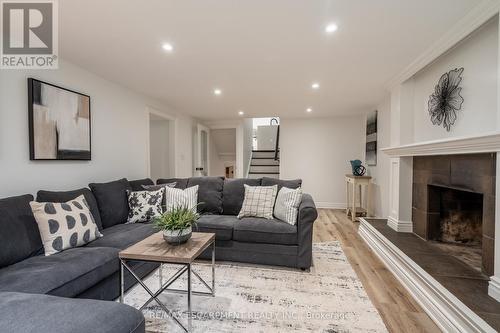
487,143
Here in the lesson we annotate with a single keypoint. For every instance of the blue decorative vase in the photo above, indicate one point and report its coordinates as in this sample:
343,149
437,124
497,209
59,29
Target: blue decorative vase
357,168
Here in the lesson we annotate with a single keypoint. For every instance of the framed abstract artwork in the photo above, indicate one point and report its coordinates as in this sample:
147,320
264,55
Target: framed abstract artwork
59,122
371,139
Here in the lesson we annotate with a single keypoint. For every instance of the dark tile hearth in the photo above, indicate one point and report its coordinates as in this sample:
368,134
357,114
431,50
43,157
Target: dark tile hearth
465,282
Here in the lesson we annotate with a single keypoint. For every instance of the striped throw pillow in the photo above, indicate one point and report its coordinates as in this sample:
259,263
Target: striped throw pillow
176,197
287,205
258,201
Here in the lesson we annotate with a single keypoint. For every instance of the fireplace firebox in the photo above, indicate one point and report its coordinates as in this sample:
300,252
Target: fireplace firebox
454,205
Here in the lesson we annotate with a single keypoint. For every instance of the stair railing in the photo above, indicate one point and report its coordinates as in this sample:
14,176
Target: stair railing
277,147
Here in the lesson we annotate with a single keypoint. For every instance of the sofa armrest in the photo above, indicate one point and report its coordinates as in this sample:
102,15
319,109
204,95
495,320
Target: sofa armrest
307,215
307,211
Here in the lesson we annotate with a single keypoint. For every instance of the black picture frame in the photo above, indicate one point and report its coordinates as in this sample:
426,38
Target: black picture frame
371,138
34,101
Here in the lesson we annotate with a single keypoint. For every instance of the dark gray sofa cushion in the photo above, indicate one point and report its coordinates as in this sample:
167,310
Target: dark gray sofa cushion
234,193
66,274
209,193
112,201
259,230
121,236
19,235
63,196
136,185
179,182
30,313
294,183
221,225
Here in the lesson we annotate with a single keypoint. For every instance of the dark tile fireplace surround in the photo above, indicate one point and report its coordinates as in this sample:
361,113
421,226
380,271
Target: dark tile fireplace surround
454,202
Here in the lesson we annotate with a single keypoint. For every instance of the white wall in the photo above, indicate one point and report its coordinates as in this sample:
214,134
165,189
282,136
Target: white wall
247,130
478,54
160,156
119,134
266,137
381,172
318,150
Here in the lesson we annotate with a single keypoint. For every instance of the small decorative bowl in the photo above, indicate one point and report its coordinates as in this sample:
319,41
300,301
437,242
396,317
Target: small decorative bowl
177,237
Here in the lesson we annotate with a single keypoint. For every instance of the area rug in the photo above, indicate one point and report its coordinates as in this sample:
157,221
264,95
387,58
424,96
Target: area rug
328,298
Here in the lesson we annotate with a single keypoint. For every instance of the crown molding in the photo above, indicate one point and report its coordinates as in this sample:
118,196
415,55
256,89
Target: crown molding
479,15
487,143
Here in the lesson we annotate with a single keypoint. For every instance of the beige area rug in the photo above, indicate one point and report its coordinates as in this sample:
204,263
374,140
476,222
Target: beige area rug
329,298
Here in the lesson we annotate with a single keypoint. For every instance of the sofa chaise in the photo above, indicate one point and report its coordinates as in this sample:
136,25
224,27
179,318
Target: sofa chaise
68,291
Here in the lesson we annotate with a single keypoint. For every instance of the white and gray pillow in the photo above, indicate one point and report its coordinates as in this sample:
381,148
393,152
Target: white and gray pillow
287,204
258,201
159,186
144,205
64,225
175,198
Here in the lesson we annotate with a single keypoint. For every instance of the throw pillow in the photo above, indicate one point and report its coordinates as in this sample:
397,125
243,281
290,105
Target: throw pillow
287,204
157,187
144,205
112,200
64,225
258,201
175,197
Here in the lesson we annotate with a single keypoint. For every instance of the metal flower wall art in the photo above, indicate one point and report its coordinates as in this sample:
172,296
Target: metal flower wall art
446,99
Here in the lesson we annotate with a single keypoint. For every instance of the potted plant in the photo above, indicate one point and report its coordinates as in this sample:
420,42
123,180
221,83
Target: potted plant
177,224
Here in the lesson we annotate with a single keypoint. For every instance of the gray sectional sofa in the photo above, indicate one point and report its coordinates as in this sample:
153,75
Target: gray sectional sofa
70,291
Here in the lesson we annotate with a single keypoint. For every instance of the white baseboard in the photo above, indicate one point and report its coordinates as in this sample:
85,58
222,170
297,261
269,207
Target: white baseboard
400,226
446,310
330,205
494,288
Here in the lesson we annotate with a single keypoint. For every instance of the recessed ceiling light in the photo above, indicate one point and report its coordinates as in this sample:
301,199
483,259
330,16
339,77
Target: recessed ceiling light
331,27
315,85
217,92
241,113
309,110
167,47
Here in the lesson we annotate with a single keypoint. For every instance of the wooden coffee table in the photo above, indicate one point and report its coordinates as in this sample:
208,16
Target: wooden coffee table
155,249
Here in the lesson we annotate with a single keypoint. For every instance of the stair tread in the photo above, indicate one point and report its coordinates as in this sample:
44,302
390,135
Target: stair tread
263,158
264,151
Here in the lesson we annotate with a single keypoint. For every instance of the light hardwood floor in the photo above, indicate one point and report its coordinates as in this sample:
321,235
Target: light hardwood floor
398,309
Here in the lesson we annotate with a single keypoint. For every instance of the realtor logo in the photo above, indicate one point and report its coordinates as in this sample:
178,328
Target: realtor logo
29,34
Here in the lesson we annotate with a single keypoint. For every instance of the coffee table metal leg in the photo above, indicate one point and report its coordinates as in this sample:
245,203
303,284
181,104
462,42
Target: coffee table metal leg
213,269
167,310
122,287
190,314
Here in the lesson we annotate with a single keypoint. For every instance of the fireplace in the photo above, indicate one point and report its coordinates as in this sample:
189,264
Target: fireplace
454,205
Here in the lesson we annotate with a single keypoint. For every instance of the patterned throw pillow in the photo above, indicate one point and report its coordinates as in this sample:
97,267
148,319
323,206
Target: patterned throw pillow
159,186
258,201
287,204
175,197
64,225
144,205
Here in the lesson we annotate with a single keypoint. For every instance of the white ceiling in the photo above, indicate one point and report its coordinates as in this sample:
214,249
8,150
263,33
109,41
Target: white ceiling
263,54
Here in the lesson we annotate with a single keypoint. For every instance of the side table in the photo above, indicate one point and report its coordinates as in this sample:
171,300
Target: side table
355,184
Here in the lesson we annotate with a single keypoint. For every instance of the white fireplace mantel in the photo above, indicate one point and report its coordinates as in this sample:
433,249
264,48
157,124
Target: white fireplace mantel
486,143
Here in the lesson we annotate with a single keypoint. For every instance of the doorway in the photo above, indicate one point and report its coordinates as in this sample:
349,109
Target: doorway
223,152
161,146
203,151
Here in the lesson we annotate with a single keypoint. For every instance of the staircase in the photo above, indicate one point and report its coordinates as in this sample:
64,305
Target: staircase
264,163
